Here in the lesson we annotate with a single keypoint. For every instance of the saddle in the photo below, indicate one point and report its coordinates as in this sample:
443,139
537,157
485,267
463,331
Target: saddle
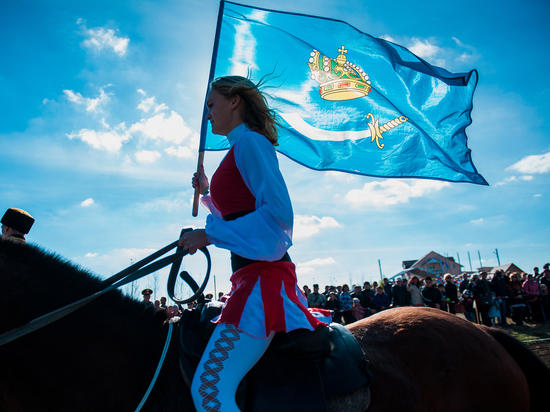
298,371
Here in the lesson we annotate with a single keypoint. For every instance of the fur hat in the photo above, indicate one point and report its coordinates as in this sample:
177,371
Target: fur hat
18,220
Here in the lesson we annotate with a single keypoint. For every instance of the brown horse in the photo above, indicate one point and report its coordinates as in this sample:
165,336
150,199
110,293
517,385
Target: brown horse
103,356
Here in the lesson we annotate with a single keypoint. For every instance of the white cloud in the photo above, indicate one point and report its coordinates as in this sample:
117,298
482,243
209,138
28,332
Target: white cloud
90,255
424,49
87,202
173,203
301,271
306,226
171,129
387,37
514,179
533,164
180,151
459,54
348,177
147,156
110,141
99,38
149,103
538,195
391,192
307,267
477,221
91,105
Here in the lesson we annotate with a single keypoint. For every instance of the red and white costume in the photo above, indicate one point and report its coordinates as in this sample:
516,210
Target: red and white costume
264,295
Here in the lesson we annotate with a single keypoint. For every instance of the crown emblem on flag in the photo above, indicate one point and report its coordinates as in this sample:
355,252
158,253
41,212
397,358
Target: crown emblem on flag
338,78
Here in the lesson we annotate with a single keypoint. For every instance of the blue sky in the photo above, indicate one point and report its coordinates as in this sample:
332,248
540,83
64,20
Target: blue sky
101,108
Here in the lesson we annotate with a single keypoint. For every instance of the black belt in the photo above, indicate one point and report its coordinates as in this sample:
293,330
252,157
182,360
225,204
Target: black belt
239,262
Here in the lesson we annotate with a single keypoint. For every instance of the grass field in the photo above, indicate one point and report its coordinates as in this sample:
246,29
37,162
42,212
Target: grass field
529,331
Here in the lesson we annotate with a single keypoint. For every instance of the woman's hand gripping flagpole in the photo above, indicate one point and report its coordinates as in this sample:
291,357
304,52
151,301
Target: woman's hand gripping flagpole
197,187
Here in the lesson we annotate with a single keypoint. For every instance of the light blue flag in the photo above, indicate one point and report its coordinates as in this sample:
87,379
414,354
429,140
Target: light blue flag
348,101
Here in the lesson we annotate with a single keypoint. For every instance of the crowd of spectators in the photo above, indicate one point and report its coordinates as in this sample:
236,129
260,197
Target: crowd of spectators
481,298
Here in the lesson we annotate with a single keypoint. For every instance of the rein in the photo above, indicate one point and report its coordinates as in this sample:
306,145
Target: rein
159,367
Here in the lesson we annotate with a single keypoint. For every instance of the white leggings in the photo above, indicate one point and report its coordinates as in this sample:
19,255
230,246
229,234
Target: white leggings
228,357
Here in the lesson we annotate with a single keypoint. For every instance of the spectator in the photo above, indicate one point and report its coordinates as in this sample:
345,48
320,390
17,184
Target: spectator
545,279
367,294
431,295
414,290
163,303
334,304
316,299
157,304
536,273
480,293
334,289
306,290
494,309
356,292
346,304
16,223
147,296
380,300
468,304
499,286
358,311
401,297
464,283
451,292
532,293
517,303
444,306
484,284
387,288
544,302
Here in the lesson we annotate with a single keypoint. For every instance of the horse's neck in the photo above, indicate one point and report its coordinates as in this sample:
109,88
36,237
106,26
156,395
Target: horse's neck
93,362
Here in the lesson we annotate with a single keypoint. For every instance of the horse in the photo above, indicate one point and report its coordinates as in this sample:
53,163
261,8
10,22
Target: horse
103,356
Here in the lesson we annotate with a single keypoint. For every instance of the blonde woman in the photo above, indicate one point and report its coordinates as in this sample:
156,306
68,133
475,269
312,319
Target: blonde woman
413,287
250,215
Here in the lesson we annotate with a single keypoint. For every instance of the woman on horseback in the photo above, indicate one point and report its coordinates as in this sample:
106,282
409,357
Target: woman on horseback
250,215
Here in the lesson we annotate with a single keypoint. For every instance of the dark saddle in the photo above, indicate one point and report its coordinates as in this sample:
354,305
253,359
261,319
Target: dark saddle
298,371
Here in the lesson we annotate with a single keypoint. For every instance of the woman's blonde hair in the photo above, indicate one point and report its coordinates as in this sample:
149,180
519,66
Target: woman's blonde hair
257,116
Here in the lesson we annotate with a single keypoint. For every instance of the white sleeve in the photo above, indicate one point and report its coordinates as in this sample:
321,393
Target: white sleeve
266,233
207,203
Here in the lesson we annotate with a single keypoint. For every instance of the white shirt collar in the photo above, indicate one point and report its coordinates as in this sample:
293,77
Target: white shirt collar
235,133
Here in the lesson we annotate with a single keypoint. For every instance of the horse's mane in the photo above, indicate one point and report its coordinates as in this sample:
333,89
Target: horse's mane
34,282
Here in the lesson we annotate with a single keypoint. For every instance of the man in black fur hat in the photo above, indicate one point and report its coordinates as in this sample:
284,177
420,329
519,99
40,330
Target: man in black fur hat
16,223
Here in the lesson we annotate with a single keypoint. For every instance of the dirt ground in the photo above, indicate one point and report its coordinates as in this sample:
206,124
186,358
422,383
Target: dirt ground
535,335
541,349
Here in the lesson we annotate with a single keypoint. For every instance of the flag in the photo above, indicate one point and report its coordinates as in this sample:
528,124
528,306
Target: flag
348,101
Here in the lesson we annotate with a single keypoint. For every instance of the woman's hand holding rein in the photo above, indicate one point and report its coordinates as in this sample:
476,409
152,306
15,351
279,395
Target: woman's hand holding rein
194,240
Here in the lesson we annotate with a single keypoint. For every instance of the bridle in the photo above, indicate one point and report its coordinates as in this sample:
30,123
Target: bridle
134,272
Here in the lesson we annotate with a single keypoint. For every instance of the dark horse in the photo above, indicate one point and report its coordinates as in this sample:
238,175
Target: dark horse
103,356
